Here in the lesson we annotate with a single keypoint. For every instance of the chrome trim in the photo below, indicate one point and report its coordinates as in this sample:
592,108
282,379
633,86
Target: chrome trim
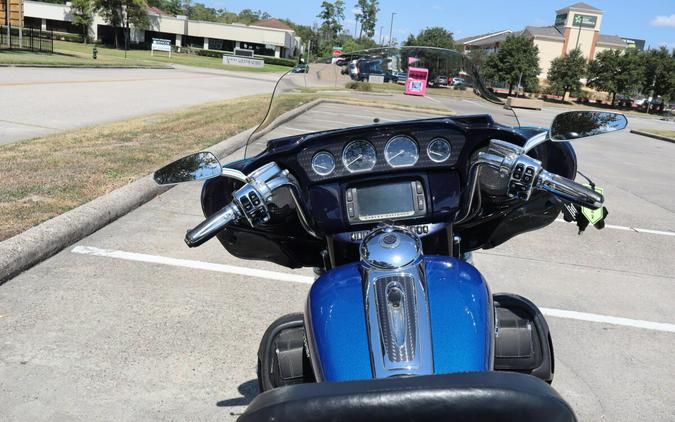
325,172
417,151
235,174
537,139
344,163
433,141
283,180
400,339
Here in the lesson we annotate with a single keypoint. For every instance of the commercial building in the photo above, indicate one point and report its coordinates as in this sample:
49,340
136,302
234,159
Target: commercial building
269,37
575,26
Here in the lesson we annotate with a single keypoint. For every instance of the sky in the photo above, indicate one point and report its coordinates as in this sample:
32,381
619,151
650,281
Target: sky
650,20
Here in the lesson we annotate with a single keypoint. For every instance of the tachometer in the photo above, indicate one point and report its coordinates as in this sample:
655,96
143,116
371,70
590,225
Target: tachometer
359,156
439,150
323,163
401,151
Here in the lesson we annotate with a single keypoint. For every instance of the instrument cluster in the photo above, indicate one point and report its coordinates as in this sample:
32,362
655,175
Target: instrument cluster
363,154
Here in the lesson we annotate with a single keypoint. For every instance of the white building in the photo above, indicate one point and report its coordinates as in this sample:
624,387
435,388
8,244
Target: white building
269,37
575,26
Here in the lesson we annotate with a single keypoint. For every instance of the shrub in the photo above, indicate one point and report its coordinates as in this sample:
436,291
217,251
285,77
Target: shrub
359,86
63,36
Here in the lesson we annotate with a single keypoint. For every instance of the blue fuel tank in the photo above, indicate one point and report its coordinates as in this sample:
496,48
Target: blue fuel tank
461,318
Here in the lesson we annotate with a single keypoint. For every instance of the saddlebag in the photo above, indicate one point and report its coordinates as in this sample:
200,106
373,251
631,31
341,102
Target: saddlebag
469,396
523,342
282,357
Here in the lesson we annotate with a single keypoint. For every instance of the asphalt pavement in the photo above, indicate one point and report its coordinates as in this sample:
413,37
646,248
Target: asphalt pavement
130,324
40,101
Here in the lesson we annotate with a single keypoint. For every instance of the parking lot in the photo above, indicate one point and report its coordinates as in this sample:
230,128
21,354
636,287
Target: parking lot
35,100
130,324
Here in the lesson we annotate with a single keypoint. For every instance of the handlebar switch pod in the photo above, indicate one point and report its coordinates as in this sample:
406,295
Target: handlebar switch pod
524,173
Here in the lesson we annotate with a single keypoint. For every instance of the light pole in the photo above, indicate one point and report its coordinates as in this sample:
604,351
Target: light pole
391,27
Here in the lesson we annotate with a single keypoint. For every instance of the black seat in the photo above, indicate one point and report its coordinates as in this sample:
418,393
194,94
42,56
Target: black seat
461,397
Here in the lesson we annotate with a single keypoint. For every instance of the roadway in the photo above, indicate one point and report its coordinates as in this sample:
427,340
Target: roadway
130,324
41,101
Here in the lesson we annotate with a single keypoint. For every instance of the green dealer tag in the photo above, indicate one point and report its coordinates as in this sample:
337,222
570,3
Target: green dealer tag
593,216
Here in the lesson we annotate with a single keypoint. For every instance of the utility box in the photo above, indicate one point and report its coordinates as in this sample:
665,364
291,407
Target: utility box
416,82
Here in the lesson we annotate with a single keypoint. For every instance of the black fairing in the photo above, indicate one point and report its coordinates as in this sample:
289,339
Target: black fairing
285,242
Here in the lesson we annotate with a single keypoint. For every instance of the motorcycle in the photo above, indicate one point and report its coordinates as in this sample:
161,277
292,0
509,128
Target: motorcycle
386,193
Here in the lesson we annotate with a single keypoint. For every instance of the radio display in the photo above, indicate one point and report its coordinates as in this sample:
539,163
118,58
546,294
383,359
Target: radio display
382,201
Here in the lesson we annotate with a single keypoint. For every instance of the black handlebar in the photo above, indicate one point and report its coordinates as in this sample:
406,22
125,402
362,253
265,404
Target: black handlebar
210,227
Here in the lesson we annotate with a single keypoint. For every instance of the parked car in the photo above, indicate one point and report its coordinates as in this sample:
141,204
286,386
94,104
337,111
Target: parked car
367,68
623,101
457,80
400,77
299,68
440,81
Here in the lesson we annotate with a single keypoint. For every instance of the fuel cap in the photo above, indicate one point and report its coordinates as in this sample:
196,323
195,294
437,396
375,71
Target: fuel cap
390,247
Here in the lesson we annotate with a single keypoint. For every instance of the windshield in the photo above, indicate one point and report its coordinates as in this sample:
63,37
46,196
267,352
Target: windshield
376,86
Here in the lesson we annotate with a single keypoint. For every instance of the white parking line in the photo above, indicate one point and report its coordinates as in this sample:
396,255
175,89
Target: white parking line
631,229
274,275
189,263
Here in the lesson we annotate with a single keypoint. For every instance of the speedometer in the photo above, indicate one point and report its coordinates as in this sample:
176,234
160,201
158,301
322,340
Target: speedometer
401,151
359,156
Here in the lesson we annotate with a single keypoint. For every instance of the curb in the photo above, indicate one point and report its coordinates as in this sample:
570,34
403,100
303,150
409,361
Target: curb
38,243
651,135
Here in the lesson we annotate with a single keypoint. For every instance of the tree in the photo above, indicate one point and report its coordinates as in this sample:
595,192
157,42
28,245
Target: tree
516,60
249,16
83,16
171,6
432,37
566,72
368,17
123,13
615,72
659,73
478,56
331,16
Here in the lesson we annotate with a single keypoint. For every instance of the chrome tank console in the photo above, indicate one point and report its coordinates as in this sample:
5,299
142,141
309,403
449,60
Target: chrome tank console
396,301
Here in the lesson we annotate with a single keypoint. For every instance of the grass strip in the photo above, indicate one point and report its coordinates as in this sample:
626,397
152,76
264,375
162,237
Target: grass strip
36,58
47,176
666,133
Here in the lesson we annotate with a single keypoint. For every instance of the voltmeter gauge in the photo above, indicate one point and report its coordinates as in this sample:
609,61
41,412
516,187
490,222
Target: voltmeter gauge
323,163
439,150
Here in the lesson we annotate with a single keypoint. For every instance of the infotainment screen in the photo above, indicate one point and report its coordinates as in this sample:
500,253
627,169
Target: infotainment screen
392,198
386,201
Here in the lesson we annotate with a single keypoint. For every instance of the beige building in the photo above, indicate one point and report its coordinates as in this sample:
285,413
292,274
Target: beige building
269,37
575,26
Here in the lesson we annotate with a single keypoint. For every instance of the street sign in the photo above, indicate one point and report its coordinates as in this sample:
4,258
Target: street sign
159,44
337,51
243,61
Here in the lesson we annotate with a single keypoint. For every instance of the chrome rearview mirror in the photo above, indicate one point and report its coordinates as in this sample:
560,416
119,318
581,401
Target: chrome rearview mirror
581,124
199,166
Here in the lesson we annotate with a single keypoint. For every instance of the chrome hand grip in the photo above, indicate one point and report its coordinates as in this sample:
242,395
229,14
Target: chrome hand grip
569,190
212,225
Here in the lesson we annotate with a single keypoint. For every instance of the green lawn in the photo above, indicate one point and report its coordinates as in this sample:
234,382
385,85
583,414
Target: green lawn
22,57
106,53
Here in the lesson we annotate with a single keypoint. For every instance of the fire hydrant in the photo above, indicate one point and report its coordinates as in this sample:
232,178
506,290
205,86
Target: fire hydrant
94,52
